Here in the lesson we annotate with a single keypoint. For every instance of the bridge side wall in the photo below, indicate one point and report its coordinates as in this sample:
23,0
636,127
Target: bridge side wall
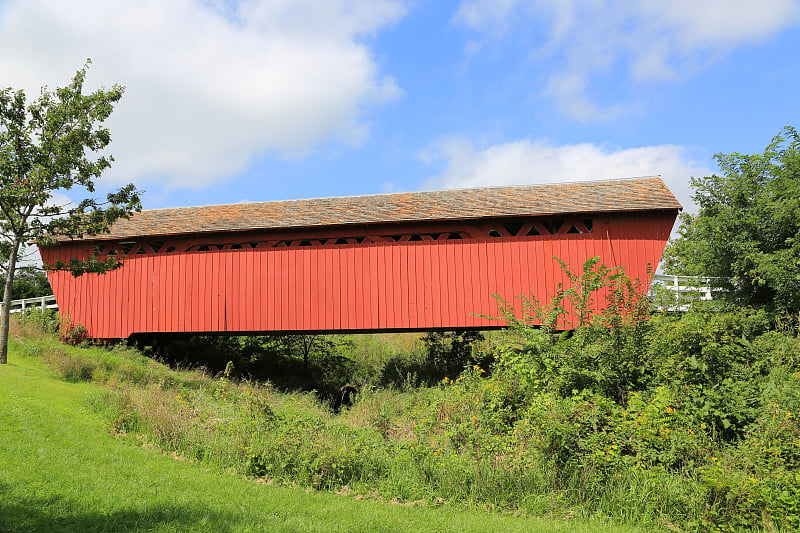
373,286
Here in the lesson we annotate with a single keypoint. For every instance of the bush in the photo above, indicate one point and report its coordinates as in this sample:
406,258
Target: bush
604,348
757,483
449,352
44,320
720,360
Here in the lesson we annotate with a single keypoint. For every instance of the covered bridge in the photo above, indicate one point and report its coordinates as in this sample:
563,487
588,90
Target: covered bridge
387,262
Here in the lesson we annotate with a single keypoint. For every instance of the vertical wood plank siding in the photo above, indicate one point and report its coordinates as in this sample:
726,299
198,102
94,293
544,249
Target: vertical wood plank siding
357,287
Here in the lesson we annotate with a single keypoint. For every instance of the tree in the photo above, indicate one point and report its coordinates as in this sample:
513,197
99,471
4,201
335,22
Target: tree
30,282
46,146
449,352
305,345
747,231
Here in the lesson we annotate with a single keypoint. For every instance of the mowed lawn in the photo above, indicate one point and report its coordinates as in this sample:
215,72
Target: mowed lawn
61,470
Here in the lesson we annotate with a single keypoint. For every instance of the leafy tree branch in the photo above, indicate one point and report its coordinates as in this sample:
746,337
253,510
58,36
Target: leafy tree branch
746,235
46,146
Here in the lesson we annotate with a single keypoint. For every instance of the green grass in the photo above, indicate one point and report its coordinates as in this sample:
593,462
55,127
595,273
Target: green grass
61,470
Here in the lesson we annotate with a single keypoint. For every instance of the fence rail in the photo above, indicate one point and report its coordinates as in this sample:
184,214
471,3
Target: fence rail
682,291
37,302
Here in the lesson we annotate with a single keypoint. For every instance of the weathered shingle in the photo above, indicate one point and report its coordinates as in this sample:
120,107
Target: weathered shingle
637,194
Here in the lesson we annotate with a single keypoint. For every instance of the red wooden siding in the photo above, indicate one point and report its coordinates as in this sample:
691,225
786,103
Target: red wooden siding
371,286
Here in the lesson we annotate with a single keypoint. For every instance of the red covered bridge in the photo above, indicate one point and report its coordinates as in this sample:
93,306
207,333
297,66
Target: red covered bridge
388,262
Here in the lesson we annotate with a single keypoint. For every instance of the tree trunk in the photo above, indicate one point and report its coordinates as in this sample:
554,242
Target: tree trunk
307,344
6,313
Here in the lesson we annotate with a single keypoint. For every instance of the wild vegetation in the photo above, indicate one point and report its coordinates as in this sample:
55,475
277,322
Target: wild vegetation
746,234
61,471
324,363
683,422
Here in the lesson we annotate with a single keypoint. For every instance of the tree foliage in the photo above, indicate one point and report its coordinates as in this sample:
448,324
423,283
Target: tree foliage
47,146
29,282
747,231
449,352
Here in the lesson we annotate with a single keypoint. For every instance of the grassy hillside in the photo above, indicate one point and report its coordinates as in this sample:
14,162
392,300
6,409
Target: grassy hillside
62,470
685,423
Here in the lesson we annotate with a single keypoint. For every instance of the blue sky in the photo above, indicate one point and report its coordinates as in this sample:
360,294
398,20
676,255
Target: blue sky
254,101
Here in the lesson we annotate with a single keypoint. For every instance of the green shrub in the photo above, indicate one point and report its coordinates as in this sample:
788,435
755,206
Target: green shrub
757,482
603,351
720,361
449,352
736,499
46,320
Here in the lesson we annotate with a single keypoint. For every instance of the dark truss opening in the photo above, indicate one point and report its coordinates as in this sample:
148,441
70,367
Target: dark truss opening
514,228
553,225
533,232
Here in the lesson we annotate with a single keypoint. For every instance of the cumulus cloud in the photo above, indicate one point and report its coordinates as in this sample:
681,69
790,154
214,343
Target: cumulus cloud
210,85
649,40
528,162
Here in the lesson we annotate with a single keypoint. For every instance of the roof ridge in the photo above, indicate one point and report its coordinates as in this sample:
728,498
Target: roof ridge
431,191
444,205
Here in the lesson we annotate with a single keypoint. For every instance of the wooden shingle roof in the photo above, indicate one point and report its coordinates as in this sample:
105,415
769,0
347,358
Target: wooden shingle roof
635,194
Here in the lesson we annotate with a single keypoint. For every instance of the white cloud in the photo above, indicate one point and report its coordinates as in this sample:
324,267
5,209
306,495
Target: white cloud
493,16
720,22
210,85
529,162
650,40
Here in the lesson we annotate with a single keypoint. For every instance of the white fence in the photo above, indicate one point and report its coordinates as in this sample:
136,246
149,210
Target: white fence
38,302
674,293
